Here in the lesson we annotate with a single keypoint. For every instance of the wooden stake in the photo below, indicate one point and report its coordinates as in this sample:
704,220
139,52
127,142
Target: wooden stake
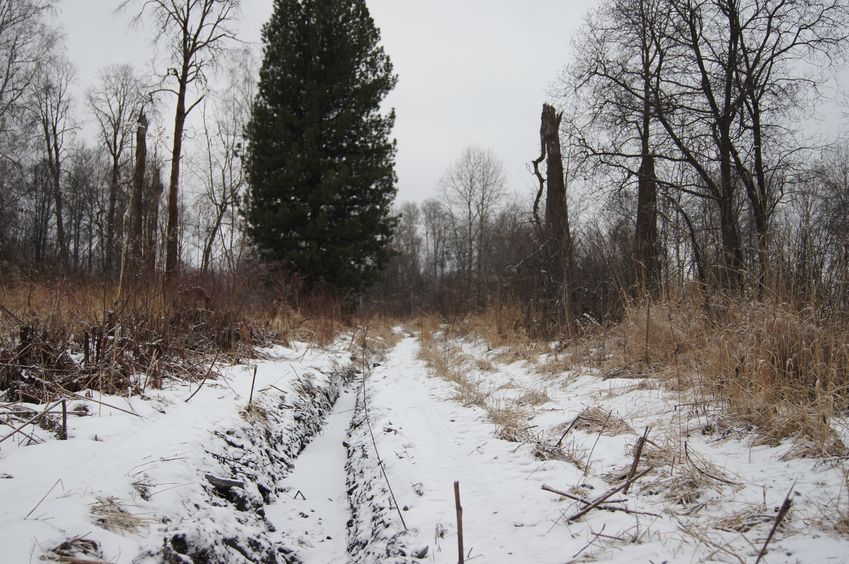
253,381
648,318
64,420
459,522
638,451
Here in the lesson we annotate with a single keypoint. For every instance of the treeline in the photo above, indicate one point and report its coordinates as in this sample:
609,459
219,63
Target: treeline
687,162
91,176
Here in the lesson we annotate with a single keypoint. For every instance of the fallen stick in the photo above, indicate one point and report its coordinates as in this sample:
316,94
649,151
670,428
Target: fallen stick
602,507
67,392
33,419
638,452
785,507
603,497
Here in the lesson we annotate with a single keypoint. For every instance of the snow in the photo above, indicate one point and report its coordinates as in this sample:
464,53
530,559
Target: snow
314,508
368,477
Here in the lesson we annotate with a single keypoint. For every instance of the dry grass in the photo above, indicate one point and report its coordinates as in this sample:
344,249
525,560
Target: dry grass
75,549
533,397
109,514
781,369
681,474
89,335
596,419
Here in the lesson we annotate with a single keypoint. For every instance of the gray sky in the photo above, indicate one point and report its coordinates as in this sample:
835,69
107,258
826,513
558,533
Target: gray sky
470,72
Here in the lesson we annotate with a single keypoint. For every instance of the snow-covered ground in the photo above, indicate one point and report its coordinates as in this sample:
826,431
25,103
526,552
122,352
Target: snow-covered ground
211,481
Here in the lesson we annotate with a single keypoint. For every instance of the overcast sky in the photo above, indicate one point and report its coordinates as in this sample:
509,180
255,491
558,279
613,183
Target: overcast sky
470,72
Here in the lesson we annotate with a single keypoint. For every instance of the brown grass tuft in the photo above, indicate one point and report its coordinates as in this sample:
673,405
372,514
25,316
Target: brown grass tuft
110,515
596,419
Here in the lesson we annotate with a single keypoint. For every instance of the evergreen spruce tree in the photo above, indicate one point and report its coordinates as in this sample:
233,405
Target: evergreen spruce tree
320,159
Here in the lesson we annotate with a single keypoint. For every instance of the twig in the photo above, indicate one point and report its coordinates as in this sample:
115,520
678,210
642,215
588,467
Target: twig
10,314
603,497
592,540
202,382
366,370
592,450
638,451
705,472
602,507
569,428
40,501
785,507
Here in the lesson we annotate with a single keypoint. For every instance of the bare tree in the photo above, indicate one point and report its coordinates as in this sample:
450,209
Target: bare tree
25,39
115,103
196,32
731,74
618,59
471,188
221,172
50,103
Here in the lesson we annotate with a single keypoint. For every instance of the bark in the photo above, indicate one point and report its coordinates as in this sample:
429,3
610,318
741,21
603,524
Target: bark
110,217
54,156
174,182
152,221
556,210
645,235
136,243
557,233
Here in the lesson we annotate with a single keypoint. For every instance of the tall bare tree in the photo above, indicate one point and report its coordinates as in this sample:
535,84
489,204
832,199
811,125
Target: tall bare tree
25,39
115,103
221,171
196,32
50,103
472,188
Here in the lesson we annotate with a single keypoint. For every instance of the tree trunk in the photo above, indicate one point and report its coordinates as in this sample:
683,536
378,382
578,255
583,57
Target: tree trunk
645,234
152,220
136,244
646,247
173,187
56,176
556,212
109,258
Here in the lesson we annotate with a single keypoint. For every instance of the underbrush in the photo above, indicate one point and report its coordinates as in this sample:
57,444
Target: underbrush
64,336
777,368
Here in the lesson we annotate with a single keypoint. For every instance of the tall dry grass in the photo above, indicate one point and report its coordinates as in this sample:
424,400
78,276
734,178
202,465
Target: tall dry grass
776,366
76,334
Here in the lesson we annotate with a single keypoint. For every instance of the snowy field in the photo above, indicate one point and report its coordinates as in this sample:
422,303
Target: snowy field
542,458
